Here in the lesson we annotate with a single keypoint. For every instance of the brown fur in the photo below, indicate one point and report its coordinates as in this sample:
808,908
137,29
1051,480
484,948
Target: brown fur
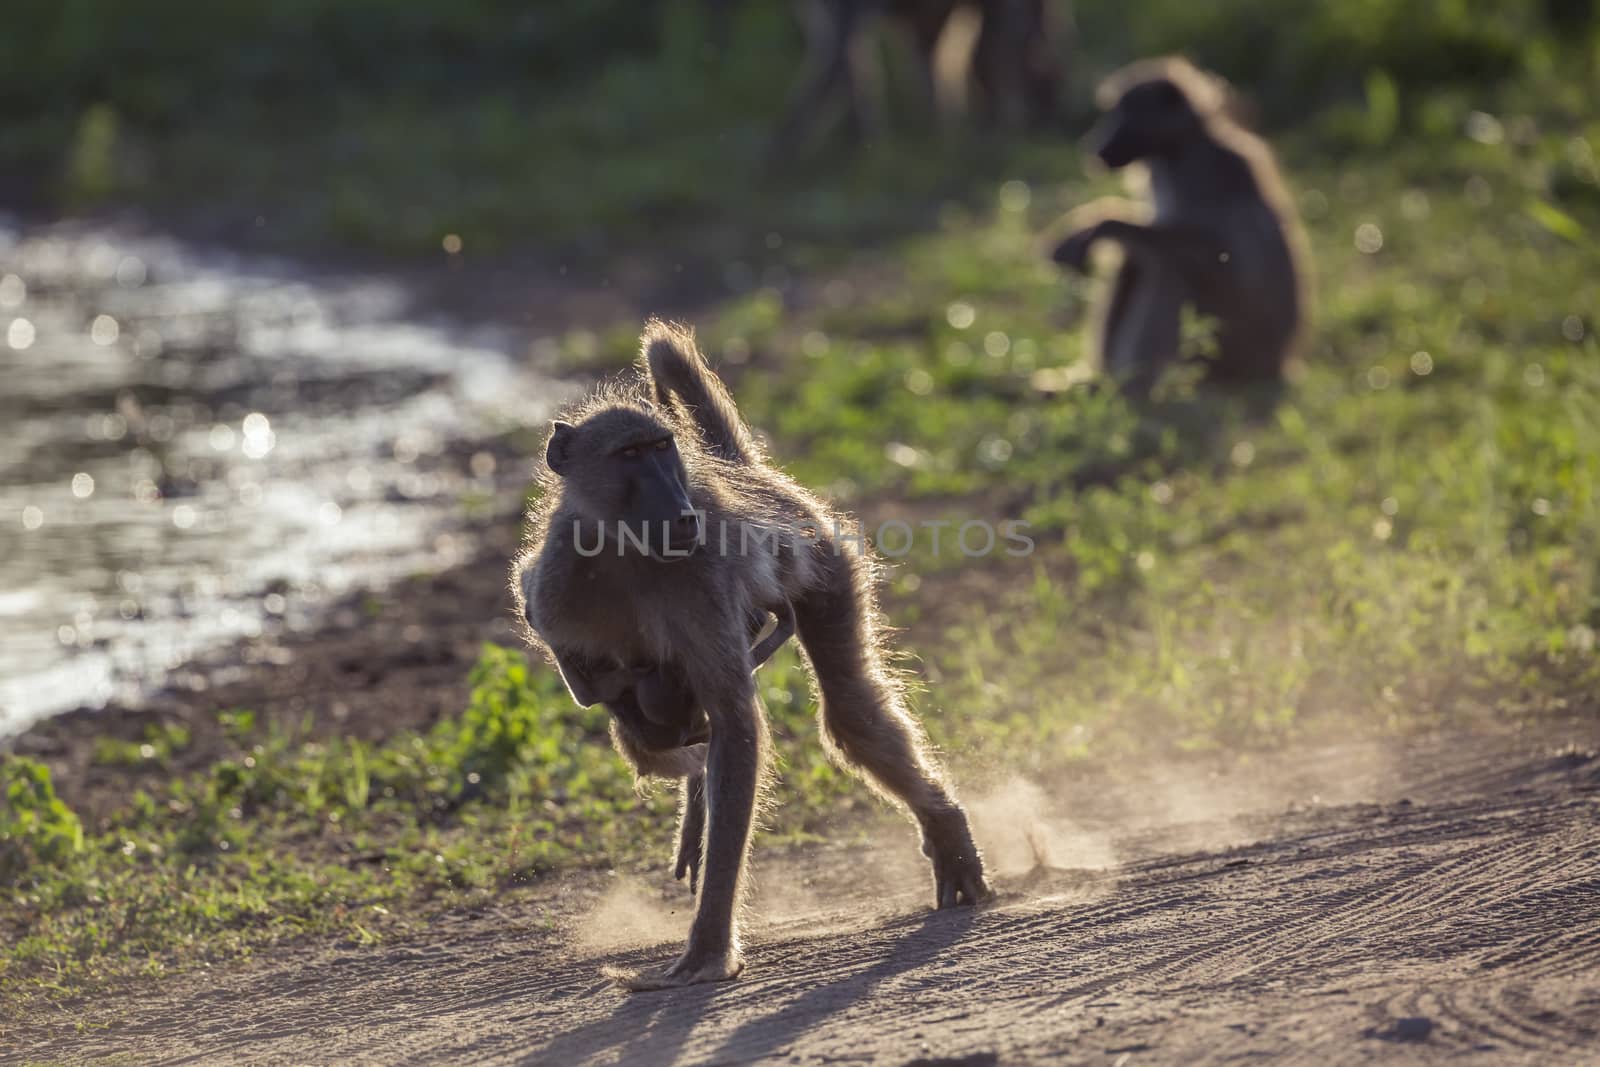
1219,233
1015,63
692,615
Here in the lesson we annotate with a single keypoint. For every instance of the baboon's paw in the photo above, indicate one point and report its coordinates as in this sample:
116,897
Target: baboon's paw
681,972
687,861
691,833
1073,253
957,866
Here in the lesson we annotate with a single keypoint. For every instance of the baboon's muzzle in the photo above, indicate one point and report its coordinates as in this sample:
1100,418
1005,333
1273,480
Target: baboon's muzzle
673,524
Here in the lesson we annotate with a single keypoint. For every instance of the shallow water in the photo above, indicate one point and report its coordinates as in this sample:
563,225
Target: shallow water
197,447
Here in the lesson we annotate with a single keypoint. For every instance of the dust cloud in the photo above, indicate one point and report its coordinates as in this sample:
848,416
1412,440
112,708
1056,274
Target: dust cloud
630,915
1170,807
1018,832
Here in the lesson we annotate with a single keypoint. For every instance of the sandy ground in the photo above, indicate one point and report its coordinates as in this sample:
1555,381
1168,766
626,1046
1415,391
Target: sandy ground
1419,902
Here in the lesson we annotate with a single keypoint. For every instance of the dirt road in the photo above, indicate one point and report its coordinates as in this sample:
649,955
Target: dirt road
1437,900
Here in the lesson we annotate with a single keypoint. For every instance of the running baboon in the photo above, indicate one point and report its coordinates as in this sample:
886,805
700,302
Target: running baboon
1220,234
1014,64
662,533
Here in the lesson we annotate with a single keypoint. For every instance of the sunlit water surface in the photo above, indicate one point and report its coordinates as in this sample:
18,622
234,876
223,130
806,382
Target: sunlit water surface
194,447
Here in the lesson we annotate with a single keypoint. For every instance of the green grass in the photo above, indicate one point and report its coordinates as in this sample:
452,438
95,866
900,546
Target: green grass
1410,535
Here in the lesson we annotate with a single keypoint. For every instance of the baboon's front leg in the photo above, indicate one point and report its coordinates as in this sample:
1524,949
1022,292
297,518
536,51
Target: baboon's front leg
732,777
1197,254
1085,225
692,820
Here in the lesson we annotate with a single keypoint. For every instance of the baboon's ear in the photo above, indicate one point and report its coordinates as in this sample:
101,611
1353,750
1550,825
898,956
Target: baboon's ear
558,453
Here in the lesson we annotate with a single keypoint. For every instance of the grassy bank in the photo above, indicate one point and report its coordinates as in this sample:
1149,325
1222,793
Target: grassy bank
291,836
1411,534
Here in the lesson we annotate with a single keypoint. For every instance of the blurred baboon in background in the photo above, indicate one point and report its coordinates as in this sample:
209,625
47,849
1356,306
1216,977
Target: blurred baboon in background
1219,233
1019,61
1013,62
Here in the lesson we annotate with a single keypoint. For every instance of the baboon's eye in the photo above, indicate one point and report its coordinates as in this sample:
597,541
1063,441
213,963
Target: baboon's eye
663,444
631,452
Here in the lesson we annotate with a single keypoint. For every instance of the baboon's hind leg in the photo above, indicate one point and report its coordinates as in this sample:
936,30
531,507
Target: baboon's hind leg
691,831
1142,330
864,716
833,64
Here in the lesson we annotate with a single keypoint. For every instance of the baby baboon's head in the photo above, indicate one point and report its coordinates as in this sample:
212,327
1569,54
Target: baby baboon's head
620,464
1154,108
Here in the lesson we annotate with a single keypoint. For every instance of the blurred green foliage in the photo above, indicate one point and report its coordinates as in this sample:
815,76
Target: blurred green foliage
588,131
91,167
1295,56
168,62
36,828
161,740
163,63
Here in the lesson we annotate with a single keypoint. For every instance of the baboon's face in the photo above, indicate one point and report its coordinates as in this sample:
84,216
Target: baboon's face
622,466
1153,118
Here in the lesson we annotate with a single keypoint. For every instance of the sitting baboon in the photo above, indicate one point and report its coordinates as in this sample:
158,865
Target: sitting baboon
1014,64
1219,236
662,533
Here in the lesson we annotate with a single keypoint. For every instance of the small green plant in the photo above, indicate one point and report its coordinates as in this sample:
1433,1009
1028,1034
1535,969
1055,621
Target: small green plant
160,741
35,826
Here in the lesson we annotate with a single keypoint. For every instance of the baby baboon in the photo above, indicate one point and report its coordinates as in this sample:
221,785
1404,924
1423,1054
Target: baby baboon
662,534
651,703
1014,64
658,727
1220,235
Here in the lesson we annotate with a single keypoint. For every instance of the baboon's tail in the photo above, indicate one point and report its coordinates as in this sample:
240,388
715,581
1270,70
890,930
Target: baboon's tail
683,382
